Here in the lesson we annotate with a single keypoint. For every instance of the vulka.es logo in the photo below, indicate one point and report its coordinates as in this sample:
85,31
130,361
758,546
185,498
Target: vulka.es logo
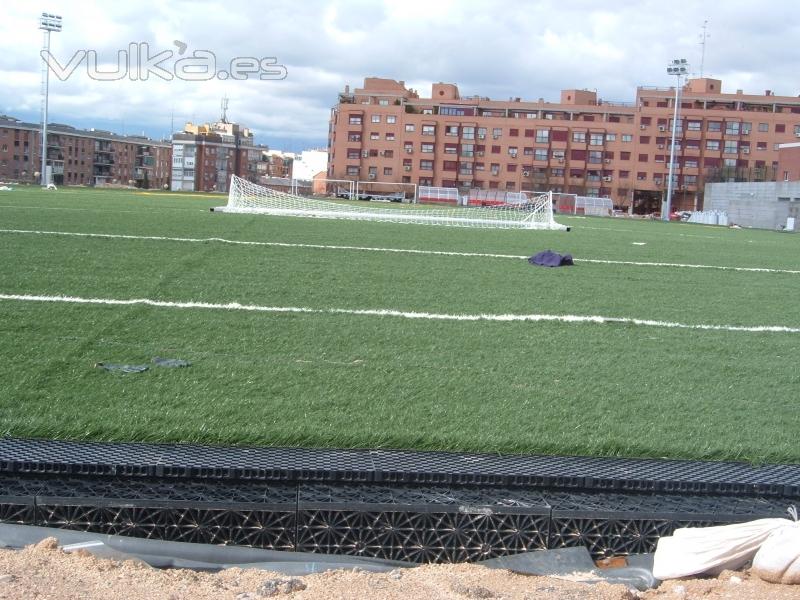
137,63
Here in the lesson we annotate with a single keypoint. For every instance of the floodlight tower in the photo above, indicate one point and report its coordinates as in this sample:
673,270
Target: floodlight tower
679,68
47,23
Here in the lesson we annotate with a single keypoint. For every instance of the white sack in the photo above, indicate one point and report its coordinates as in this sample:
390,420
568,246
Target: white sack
711,550
778,559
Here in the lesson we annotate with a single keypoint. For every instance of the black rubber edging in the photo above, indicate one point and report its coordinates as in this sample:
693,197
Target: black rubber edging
396,467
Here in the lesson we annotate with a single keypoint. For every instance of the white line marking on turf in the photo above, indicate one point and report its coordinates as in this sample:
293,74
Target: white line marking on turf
402,314
117,236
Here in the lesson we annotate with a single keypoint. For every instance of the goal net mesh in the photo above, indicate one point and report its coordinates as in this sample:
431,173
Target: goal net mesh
247,197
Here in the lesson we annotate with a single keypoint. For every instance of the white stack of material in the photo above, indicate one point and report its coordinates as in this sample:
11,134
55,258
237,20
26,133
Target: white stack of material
772,544
709,217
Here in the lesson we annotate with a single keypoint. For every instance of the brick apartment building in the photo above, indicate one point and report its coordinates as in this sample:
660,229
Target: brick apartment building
205,157
582,144
82,157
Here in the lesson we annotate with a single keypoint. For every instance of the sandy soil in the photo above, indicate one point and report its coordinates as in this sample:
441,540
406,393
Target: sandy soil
44,571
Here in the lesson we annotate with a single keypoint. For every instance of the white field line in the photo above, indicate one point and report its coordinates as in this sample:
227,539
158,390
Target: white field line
395,250
506,318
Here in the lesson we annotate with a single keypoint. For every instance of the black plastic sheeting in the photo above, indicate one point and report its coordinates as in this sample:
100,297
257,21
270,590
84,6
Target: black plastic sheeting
573,562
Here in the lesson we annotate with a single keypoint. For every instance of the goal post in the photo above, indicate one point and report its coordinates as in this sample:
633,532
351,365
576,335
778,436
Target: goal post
247,197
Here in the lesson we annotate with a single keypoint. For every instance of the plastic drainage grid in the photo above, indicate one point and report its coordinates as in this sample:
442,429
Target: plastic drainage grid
400,522
396,467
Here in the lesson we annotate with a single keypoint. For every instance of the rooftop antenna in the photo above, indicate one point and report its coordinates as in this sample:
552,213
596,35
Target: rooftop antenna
224,107
703,37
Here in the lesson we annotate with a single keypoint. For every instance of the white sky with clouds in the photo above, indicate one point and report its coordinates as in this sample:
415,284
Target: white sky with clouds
494,48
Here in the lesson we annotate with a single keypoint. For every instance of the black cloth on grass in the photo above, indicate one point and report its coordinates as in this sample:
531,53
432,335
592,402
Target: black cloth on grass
548,258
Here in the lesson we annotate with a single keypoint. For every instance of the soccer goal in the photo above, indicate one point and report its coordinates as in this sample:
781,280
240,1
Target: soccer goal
247,197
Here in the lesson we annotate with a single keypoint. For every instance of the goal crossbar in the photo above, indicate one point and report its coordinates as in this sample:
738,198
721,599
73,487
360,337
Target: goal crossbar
247,197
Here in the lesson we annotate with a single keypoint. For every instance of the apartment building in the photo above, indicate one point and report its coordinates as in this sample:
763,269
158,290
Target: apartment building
206,156
81,156
582,144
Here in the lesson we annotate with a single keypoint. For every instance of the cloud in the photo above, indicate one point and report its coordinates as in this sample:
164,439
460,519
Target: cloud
499,48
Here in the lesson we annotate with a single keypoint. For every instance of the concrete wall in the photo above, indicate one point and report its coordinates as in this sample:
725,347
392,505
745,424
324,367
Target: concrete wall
761,205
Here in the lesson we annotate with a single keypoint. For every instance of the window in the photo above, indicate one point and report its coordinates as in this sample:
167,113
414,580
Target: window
426,165
452,111
468,133
729,162
388,153
746,127
374,135
526,151
644,139
497,132
797,130
627,137
353,137
389,137
731,147
391,119
376,118
694,125
513,132
540,154
624,155
467,150
426,129
451,130
596,139
529,133
761,145
732,127
542,136
763,127
595,157
643,158
383,102
579,136
611,137
780,128
690,163
387,170
512,168
512,151
658,158
624,174
495,169
495,149
353,153
712,144
451,148
426,147
450,165
410,128
355,119
352,170
479,166
714,126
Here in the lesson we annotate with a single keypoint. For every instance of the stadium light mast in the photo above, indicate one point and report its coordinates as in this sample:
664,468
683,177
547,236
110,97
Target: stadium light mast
678,67
47,23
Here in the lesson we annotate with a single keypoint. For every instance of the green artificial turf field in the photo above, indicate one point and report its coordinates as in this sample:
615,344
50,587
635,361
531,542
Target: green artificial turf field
343,379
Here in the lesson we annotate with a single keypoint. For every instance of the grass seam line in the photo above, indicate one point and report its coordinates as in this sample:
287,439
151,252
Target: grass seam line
390,250
387,312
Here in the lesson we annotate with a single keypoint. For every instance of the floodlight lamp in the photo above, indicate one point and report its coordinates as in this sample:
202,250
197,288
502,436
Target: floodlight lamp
49,22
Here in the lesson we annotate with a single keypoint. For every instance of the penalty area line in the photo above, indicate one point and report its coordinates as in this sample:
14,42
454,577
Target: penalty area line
157,238
385,312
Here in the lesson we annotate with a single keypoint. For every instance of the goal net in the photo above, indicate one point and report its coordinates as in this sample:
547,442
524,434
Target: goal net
247,197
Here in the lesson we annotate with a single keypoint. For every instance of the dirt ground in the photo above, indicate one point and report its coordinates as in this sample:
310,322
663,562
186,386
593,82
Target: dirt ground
44,571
